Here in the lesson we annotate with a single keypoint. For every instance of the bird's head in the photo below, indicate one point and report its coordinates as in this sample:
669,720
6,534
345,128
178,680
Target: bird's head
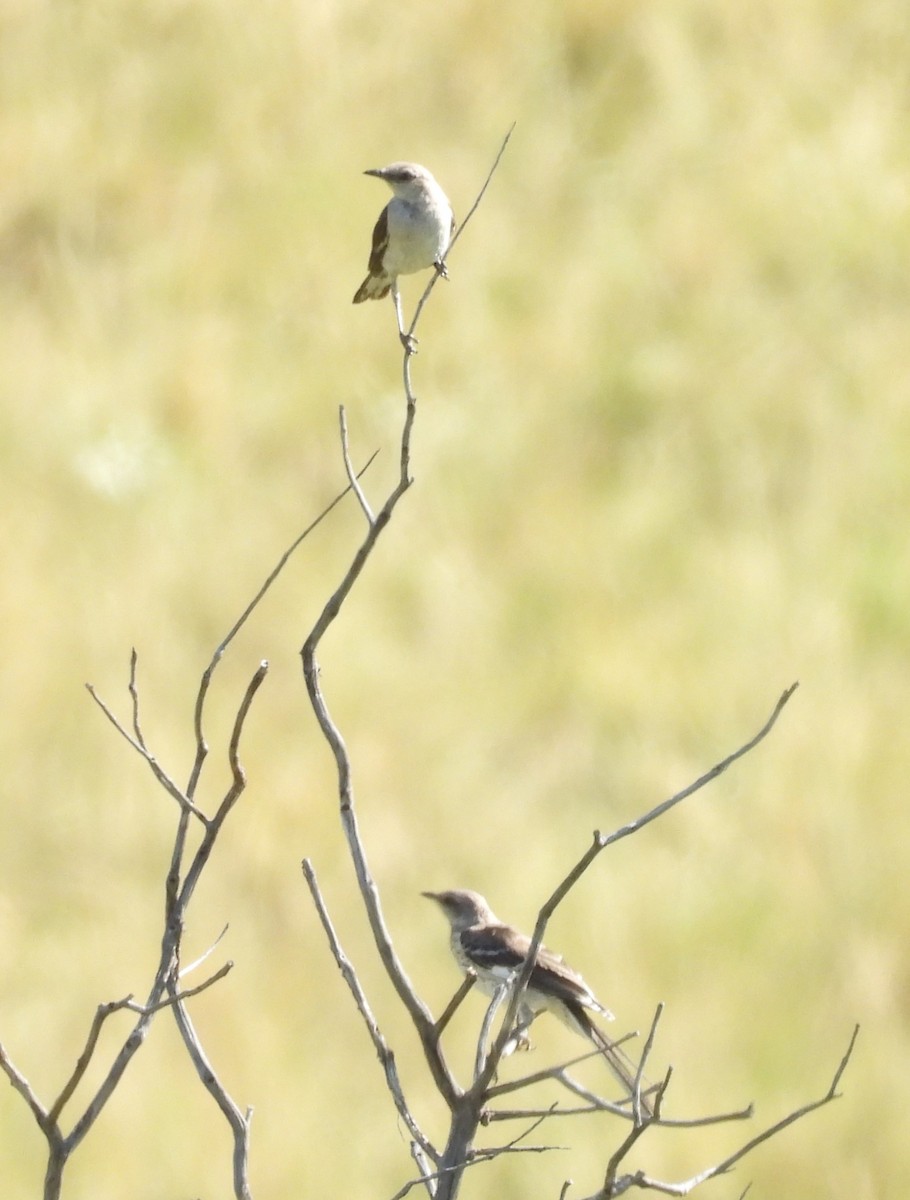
462,908
404,178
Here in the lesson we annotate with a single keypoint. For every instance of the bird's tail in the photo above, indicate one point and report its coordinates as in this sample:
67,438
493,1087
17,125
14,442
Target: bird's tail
374,287
619,1063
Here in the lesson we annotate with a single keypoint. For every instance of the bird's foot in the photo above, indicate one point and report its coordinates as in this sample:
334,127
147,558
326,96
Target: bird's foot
519,1041
409,342
441,268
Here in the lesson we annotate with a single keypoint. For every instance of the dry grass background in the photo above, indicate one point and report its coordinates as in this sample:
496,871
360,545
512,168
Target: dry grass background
663,469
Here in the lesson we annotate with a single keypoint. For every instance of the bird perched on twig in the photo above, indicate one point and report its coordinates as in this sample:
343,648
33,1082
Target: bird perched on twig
495,952
413,232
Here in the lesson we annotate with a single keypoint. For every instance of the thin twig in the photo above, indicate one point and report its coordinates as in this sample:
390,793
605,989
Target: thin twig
525,1133
455,1003
600,1103
516,1085
133,689
205,681
425,1167
460,230
102,1012
479,1157
202,957
639,1114
410,339
380,1045
184,993
157,770
232,795
487,1024
601,841
349,469
24,1088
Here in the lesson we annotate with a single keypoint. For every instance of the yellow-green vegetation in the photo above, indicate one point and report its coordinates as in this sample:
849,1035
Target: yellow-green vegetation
662,469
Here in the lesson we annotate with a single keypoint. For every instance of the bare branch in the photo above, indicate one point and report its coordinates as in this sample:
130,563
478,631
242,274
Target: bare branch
234,744
205,681
425,1167
232,795
515,1085
409,340
460,230
130,1046
24,1088
238,1121
455,1003
177,896
535,1124
380,1045
134,696
600,843
139,746
202,957
598,1102
352,478
619,1154
640,1179
486,1025
637,1110
183,993
102,1012
476,1159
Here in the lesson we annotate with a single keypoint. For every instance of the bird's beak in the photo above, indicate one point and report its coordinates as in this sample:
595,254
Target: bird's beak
431,895
377,171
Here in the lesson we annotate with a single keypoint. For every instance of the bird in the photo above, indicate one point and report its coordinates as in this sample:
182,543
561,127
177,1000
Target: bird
413,232
494,952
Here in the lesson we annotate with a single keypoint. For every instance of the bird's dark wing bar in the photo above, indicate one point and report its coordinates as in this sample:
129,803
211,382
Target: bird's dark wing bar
490,948
380,242
500,946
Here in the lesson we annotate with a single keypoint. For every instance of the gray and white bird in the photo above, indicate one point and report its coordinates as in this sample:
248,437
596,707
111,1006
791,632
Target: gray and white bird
413,233
494,951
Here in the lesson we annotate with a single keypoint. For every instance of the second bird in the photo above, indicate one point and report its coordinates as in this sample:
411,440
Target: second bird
494,952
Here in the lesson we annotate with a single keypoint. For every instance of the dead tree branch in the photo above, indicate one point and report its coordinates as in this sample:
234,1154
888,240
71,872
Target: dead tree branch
380,1045
600,843
616,1185
165,991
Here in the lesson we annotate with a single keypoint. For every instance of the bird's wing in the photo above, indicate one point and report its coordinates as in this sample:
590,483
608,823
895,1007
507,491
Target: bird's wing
553,976
380,242
491,949
502,950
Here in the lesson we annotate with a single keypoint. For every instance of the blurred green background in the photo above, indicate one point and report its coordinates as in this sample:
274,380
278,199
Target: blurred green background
662,468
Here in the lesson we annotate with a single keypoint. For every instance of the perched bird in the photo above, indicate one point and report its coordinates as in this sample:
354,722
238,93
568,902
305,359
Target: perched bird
494,952
413,232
